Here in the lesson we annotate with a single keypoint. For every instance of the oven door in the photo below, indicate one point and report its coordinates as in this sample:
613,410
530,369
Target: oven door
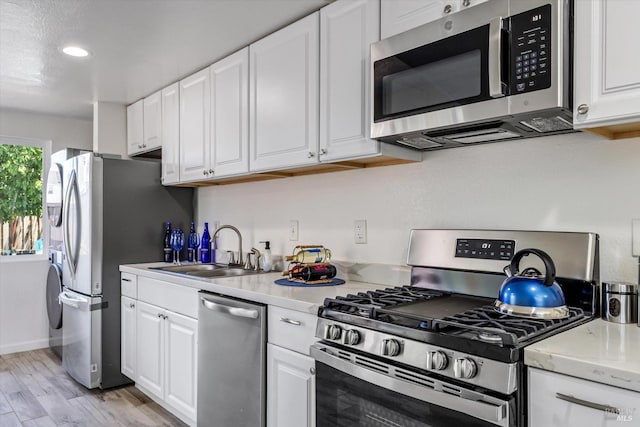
355,390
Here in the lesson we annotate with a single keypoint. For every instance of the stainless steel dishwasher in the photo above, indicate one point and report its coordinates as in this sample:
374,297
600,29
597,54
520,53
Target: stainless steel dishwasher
231,362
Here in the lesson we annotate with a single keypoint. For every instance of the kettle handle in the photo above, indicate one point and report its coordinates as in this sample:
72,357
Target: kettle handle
549,266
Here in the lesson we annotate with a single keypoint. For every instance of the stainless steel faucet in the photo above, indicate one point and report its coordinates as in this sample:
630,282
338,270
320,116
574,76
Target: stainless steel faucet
231,227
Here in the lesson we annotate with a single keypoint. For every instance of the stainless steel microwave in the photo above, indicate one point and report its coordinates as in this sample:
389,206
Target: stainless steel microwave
501,70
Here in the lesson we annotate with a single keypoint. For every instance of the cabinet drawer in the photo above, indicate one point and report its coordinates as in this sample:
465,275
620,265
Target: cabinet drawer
177,298
291,329
561,400
129,285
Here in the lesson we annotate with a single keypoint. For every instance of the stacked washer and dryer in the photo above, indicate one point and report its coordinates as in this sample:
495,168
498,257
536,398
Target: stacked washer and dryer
54,224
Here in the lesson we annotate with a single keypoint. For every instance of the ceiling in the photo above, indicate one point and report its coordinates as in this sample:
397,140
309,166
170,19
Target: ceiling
136,46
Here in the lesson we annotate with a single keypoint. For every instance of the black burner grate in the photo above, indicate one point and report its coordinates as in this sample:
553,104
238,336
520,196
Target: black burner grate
422,309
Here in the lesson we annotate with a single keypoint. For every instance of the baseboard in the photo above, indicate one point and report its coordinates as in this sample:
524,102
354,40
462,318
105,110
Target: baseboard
24,346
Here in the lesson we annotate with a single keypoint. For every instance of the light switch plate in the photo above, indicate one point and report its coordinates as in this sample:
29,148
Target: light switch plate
293,230
635,236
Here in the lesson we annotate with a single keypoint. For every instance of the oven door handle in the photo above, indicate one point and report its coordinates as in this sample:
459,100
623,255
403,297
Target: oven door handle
495,57
475,404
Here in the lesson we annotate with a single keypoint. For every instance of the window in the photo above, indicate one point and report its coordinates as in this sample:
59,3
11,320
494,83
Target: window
22,162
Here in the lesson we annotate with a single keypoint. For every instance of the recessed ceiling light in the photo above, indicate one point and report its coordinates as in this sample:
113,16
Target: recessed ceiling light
75,51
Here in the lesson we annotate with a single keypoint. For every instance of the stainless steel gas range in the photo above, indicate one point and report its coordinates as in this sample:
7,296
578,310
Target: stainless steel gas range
436,352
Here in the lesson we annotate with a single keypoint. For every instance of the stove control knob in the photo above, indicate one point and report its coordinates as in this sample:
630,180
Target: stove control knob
351,337
437,360
465,368
391,347
334,332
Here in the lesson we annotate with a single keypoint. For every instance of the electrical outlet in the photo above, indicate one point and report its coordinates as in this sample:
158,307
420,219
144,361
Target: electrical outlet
293,230
635,236
360,231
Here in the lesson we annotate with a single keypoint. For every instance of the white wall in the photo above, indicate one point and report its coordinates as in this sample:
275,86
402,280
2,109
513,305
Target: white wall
23,316
576,182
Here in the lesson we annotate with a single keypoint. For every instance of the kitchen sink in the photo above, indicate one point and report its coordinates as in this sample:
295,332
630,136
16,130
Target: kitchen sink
206,270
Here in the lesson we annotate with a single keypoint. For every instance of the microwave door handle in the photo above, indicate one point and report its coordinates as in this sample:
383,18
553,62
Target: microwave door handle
495,57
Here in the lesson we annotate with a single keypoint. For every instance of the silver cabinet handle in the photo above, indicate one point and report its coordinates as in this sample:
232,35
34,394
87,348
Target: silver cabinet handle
598,406
233,311
312,371
160,315
466,3
583,109
139,146
211,171
204,172
311,155
290,321
323,152
132,305
447,9
125,280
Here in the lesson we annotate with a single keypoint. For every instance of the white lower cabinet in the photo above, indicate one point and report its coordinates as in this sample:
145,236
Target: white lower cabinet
557,400
128,336
291,384
159,343
290,388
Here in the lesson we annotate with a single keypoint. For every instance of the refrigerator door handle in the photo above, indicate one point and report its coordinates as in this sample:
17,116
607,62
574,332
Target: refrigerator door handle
71,253
75,302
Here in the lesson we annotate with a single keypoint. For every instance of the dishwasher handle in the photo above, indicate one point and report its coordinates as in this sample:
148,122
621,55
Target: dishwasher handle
233,311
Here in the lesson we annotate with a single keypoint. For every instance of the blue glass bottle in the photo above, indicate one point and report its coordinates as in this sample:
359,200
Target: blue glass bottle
168,251
205,247
190,247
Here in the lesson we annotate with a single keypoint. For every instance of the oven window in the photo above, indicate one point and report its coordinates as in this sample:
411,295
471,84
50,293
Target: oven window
440,82
345,401
442,74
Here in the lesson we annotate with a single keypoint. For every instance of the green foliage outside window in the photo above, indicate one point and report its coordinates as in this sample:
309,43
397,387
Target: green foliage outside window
20,191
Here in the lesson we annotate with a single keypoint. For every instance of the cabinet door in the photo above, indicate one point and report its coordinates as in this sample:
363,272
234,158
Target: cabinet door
171,134
347,29
291,388
195,95
283,100
607,81
557,400
230,114
398,16
181,361
150,348
135,127
152,123
128,336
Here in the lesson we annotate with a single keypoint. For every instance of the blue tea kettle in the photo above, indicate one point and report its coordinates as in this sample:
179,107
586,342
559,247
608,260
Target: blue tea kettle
530,293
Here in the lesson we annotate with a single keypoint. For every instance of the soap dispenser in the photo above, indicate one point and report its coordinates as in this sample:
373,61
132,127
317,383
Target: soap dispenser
267,260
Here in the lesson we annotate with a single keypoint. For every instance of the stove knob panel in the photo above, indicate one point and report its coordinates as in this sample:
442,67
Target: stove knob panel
351,337
437,360
465,368
391,347
333,332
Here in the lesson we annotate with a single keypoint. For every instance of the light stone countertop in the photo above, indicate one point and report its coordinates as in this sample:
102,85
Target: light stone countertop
261,287
600,351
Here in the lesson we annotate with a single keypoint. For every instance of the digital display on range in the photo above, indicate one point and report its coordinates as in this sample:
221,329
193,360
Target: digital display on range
485,249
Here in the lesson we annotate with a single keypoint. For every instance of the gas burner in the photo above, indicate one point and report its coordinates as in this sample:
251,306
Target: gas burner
491,335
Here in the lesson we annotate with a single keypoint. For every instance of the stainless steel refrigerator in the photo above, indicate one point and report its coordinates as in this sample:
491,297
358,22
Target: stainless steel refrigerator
114,214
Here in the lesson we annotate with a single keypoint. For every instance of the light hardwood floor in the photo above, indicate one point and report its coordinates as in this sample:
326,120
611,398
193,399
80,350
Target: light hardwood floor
35,391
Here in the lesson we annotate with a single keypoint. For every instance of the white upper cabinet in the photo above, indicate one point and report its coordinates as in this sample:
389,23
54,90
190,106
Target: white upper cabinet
347,29
230,114
195,98
171,134
283,119
135,127
607,70
398,16
152,123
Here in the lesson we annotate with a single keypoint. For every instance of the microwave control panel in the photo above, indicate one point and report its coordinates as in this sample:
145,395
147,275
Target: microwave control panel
530,66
